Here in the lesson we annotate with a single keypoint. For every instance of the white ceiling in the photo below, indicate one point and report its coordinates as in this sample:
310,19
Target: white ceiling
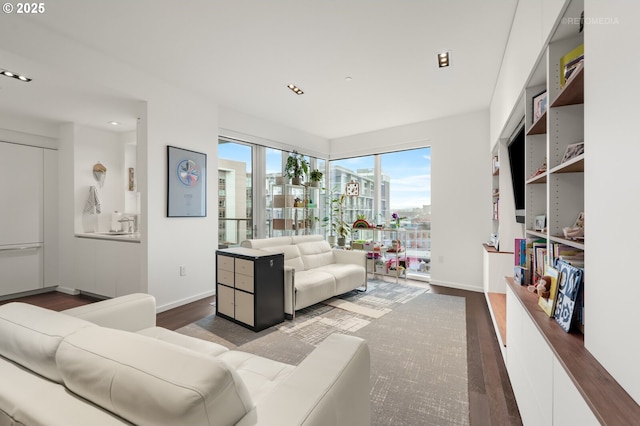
243,53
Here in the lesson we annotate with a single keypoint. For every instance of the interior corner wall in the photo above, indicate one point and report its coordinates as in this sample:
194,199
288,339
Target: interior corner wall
247,128
460,187
181,120
532,25
611,189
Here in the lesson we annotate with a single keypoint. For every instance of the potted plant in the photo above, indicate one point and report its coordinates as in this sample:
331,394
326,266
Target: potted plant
296,167
339,224
315,177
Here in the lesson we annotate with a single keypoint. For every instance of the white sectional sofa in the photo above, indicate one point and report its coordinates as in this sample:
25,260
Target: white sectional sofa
73,368
313,271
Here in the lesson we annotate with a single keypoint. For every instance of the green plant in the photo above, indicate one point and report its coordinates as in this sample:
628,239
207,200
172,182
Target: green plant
315,175
338,224
296,165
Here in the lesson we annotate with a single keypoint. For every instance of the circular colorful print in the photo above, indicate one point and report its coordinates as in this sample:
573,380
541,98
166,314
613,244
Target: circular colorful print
188,172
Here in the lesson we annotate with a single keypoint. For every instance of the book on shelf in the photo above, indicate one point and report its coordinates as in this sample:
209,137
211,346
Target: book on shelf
569,58
520,252
548,301
571,255
569,285
520,275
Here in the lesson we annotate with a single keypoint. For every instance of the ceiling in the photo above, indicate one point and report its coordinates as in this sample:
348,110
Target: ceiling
241,54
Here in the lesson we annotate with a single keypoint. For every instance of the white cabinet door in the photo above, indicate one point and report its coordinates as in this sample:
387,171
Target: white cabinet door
20,268
21,192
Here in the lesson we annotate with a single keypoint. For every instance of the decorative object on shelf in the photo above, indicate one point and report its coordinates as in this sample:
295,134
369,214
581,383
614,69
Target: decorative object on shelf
575,232
568,291
99,173
539,105
495,165
573,150
186,183
547,299
397,219
540,223
361,222
296,167
315,177
569,62
542,169
352,189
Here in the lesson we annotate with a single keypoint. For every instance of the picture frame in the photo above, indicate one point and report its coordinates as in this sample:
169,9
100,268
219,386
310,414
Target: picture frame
539,105
540,223
186,183
572,151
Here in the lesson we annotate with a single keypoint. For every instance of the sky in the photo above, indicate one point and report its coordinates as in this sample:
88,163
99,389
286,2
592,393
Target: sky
410,171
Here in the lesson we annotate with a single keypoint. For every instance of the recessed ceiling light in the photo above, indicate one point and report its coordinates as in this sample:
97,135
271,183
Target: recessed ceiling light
114,123
295,89
348,78
444,59
7,73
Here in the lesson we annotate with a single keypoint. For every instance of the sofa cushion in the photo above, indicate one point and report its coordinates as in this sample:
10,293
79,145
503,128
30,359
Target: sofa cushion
184,341
261,243
299,239
312,287
316,254
347,275
259,374
31,335
147,381
291,255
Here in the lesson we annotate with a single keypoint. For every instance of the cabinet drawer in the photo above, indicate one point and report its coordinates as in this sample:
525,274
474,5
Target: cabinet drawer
225,277
244,267
244,308
244,282
225,262
225,301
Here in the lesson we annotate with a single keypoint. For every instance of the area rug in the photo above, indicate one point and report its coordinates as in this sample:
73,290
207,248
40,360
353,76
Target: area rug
417,342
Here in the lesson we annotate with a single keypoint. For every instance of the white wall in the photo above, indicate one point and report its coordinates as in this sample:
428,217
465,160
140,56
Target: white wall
460,188
611,189
248,128
92,146
531,28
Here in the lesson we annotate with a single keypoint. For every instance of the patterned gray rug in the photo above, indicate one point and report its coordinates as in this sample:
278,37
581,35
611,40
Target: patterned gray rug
417,340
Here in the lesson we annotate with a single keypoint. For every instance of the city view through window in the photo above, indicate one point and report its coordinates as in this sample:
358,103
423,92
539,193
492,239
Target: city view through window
391,185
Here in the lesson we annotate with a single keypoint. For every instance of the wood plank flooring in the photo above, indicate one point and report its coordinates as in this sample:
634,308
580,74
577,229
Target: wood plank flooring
491,399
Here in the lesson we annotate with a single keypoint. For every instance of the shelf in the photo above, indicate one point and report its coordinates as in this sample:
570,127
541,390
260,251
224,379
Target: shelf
575,165
541,178
573,91
607,399
536,233
579,244
539,127
498,303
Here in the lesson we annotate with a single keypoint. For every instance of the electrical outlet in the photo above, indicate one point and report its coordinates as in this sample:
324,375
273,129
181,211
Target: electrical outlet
183,270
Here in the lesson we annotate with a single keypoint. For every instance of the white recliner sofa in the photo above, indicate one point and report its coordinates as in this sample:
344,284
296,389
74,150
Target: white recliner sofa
313,271
108,364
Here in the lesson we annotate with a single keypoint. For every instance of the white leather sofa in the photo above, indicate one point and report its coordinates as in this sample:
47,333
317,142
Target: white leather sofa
313,271
107,364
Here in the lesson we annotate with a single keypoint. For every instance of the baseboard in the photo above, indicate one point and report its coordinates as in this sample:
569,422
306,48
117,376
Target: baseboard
184,301
459,286
67,290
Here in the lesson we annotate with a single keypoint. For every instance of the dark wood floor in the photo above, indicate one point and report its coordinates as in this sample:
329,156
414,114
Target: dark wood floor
491,400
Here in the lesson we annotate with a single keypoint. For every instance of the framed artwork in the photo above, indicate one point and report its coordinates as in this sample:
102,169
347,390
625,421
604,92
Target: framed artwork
539,105
353,189
569,285
186,183
572,151
540,223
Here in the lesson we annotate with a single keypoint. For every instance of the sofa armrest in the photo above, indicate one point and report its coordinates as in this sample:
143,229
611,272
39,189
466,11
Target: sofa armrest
132,312
289,290
351,256
329,388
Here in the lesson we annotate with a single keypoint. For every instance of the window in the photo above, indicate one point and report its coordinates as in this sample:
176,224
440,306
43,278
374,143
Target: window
235,193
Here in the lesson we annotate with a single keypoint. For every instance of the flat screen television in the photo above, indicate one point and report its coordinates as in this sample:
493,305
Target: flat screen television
516,163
